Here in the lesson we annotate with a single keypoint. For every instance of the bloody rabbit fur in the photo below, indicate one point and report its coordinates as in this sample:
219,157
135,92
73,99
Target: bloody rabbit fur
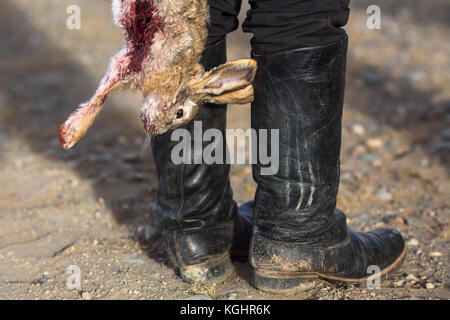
164,41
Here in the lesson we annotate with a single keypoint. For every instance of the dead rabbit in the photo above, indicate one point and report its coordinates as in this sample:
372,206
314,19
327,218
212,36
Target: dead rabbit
164,40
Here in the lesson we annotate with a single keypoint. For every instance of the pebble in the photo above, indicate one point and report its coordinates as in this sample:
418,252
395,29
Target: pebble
425,162
435,254
399,220
86,295
411,277
446,282
372,79
133,258
358,130
414,222
384,195
375,143
429,285
369,158
399,283
412,242
199,297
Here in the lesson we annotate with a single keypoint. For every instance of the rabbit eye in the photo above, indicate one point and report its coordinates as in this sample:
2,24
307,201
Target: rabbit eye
180,113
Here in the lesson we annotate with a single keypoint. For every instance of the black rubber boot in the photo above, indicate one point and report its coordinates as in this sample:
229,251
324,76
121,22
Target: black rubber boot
300,236
201,226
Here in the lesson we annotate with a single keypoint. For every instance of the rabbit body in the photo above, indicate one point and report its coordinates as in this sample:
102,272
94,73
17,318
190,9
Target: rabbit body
173,52
164,41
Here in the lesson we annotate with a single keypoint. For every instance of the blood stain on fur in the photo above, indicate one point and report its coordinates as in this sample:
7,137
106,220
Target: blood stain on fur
141,24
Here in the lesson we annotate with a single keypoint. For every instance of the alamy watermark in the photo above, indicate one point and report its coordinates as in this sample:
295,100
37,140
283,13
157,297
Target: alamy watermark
74,20
74,280
191,149
374,280
374,20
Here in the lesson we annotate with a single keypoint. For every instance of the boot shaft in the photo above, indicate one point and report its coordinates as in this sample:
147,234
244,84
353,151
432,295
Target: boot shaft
300,93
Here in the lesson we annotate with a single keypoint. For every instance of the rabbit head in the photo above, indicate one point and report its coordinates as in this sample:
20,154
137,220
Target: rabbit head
227,83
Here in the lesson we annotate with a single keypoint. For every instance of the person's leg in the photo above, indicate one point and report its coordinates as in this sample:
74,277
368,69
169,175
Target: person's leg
195,200
299,89
283,25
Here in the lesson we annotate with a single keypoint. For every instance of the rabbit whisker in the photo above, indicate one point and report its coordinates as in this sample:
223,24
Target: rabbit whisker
145,146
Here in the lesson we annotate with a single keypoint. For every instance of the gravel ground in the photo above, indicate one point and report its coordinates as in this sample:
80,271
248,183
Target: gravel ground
91,207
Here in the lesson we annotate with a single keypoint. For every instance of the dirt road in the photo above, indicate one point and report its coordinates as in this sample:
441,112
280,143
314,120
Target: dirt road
91,207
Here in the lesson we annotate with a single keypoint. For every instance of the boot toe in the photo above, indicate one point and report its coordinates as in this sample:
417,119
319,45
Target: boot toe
391,243
383,247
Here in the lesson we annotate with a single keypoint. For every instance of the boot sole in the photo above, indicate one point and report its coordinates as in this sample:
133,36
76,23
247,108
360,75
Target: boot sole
287,283
214,270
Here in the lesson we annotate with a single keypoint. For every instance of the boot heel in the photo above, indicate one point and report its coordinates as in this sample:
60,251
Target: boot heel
213,270
282,283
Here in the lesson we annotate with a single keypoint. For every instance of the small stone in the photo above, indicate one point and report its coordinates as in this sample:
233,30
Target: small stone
416,76
429,285
399,220
399,283
377,163
358,130
414,222
435,254
146,289
369,158
412,242
411,277
446,282
372,79
384,195
199,297
86,295
425,162
375,143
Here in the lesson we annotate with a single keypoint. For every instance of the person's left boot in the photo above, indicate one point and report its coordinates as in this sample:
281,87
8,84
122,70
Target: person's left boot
201,225
299,235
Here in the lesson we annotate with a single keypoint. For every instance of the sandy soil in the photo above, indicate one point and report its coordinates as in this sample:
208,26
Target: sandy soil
92,206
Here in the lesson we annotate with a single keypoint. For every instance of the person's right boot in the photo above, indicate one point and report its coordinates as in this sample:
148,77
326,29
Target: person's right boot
202,226
299,235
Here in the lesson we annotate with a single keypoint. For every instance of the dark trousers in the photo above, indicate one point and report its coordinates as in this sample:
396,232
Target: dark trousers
281,25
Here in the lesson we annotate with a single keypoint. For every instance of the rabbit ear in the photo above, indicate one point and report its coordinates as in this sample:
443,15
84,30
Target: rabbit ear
241,96
230,77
